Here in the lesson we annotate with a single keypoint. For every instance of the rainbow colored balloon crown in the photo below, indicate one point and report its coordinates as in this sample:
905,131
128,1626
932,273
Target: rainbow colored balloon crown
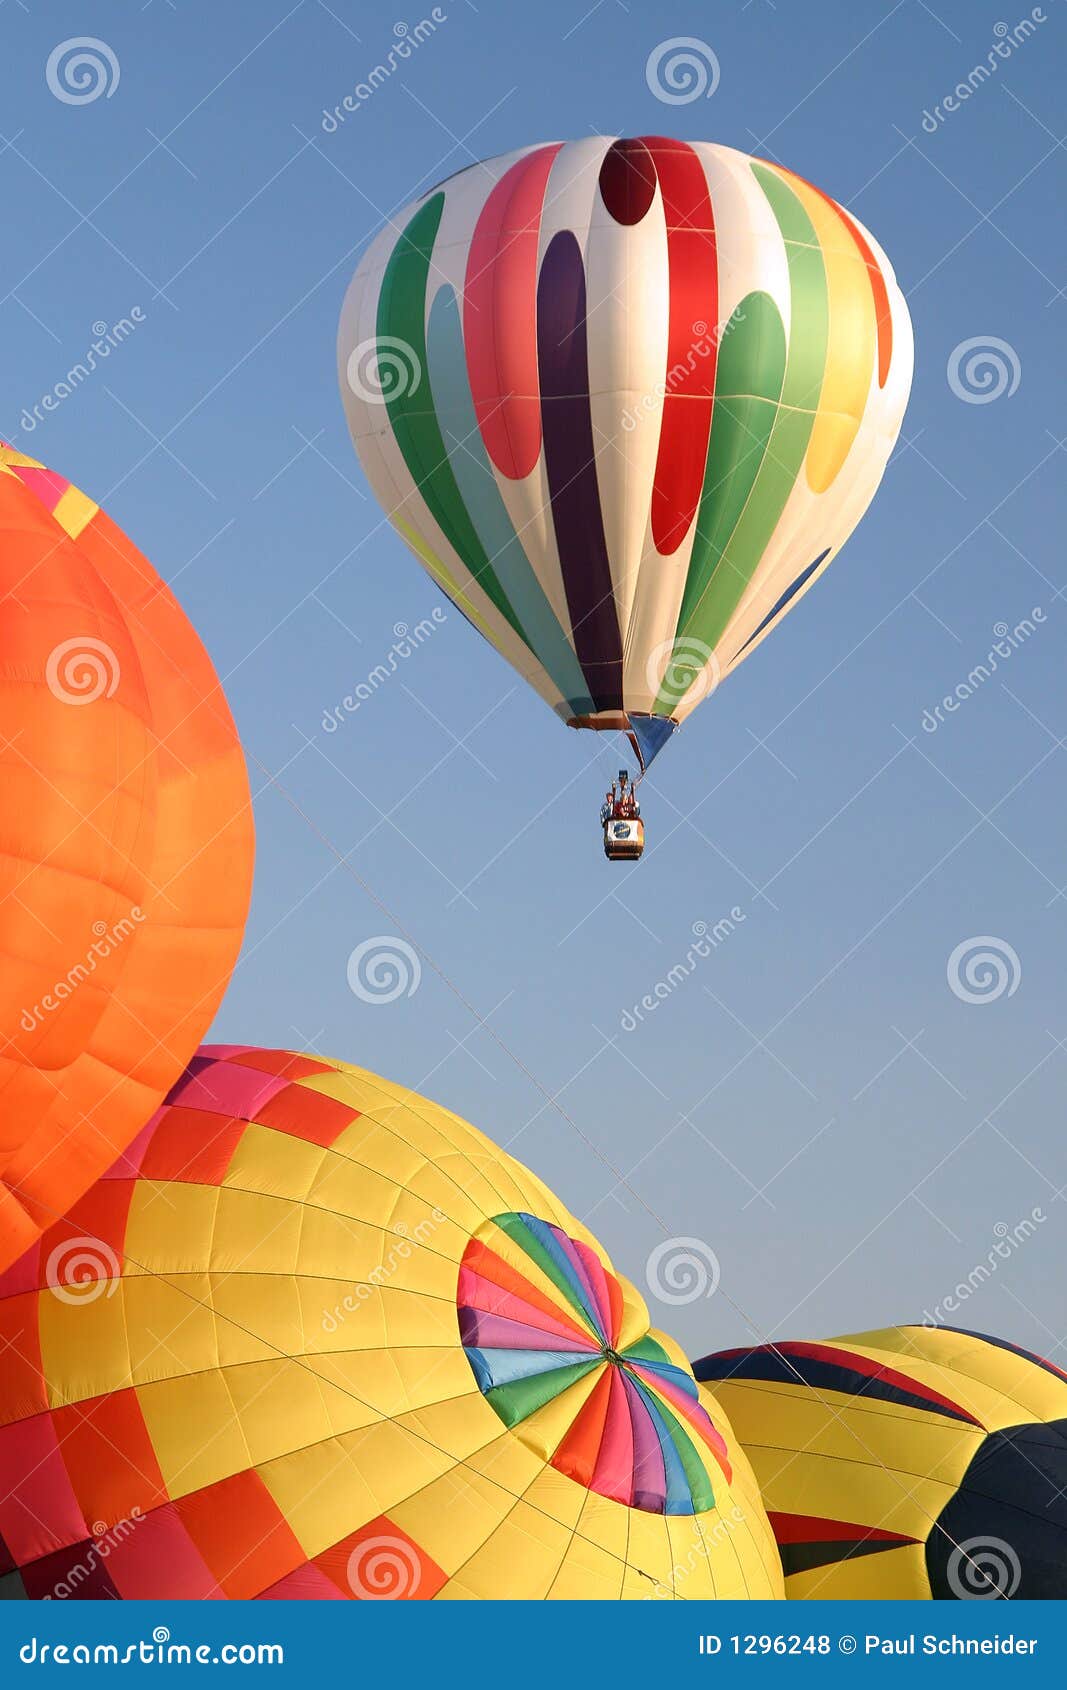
552,1346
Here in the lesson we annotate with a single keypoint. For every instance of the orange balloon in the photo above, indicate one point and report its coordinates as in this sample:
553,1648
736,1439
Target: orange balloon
126,844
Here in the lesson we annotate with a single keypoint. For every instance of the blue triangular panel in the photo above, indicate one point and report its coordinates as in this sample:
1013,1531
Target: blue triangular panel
650,735
790,593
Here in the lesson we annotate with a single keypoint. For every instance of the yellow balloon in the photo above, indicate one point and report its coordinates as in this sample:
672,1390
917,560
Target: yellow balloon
915,1462
314,1336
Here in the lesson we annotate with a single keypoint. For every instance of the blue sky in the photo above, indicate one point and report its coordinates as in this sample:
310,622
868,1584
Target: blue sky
814,1103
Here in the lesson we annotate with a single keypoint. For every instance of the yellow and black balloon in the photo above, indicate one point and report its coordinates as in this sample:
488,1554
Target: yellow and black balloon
912,1462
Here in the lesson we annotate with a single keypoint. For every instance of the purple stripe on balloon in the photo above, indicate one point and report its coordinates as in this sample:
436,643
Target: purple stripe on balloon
495,1332
599,1314
674,1393
597,1281
650,1477
570,463
224,1088
614,1474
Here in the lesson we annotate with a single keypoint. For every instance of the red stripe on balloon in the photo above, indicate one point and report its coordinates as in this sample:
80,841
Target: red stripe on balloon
500,315
482,1271
39,1509
692,346
846,1362
614,1476
306,1583
875,1370
579,1448
810,1528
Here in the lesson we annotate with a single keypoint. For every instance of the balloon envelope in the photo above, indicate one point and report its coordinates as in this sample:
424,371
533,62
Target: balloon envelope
314,1336
625,400
915,1462
125,844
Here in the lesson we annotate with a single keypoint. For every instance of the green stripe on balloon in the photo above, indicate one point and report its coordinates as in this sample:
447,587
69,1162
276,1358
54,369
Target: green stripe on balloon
750,376
647,1349
486,511
402,316
748,387
809,309
756,455
521,1234
696,1473
520,1398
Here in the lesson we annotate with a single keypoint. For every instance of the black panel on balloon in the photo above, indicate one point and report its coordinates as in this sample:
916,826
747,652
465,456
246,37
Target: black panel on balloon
1004,1533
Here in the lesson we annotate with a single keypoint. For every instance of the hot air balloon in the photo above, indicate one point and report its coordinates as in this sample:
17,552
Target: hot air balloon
915,1462
125,844
625,400
314,1336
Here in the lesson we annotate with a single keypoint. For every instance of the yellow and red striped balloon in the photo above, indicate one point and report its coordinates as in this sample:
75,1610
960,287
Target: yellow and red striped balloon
314,1336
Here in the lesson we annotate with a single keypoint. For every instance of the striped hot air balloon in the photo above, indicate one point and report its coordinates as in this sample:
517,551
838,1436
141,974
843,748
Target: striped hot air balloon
914,1462
625,400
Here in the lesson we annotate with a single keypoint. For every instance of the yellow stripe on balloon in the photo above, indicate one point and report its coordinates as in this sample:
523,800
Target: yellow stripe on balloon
452,1519
176,1413
10,458
999,1388
852,342
891,1575
513,1464
443,577
82,1338
74,511
634,1322
545,1429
